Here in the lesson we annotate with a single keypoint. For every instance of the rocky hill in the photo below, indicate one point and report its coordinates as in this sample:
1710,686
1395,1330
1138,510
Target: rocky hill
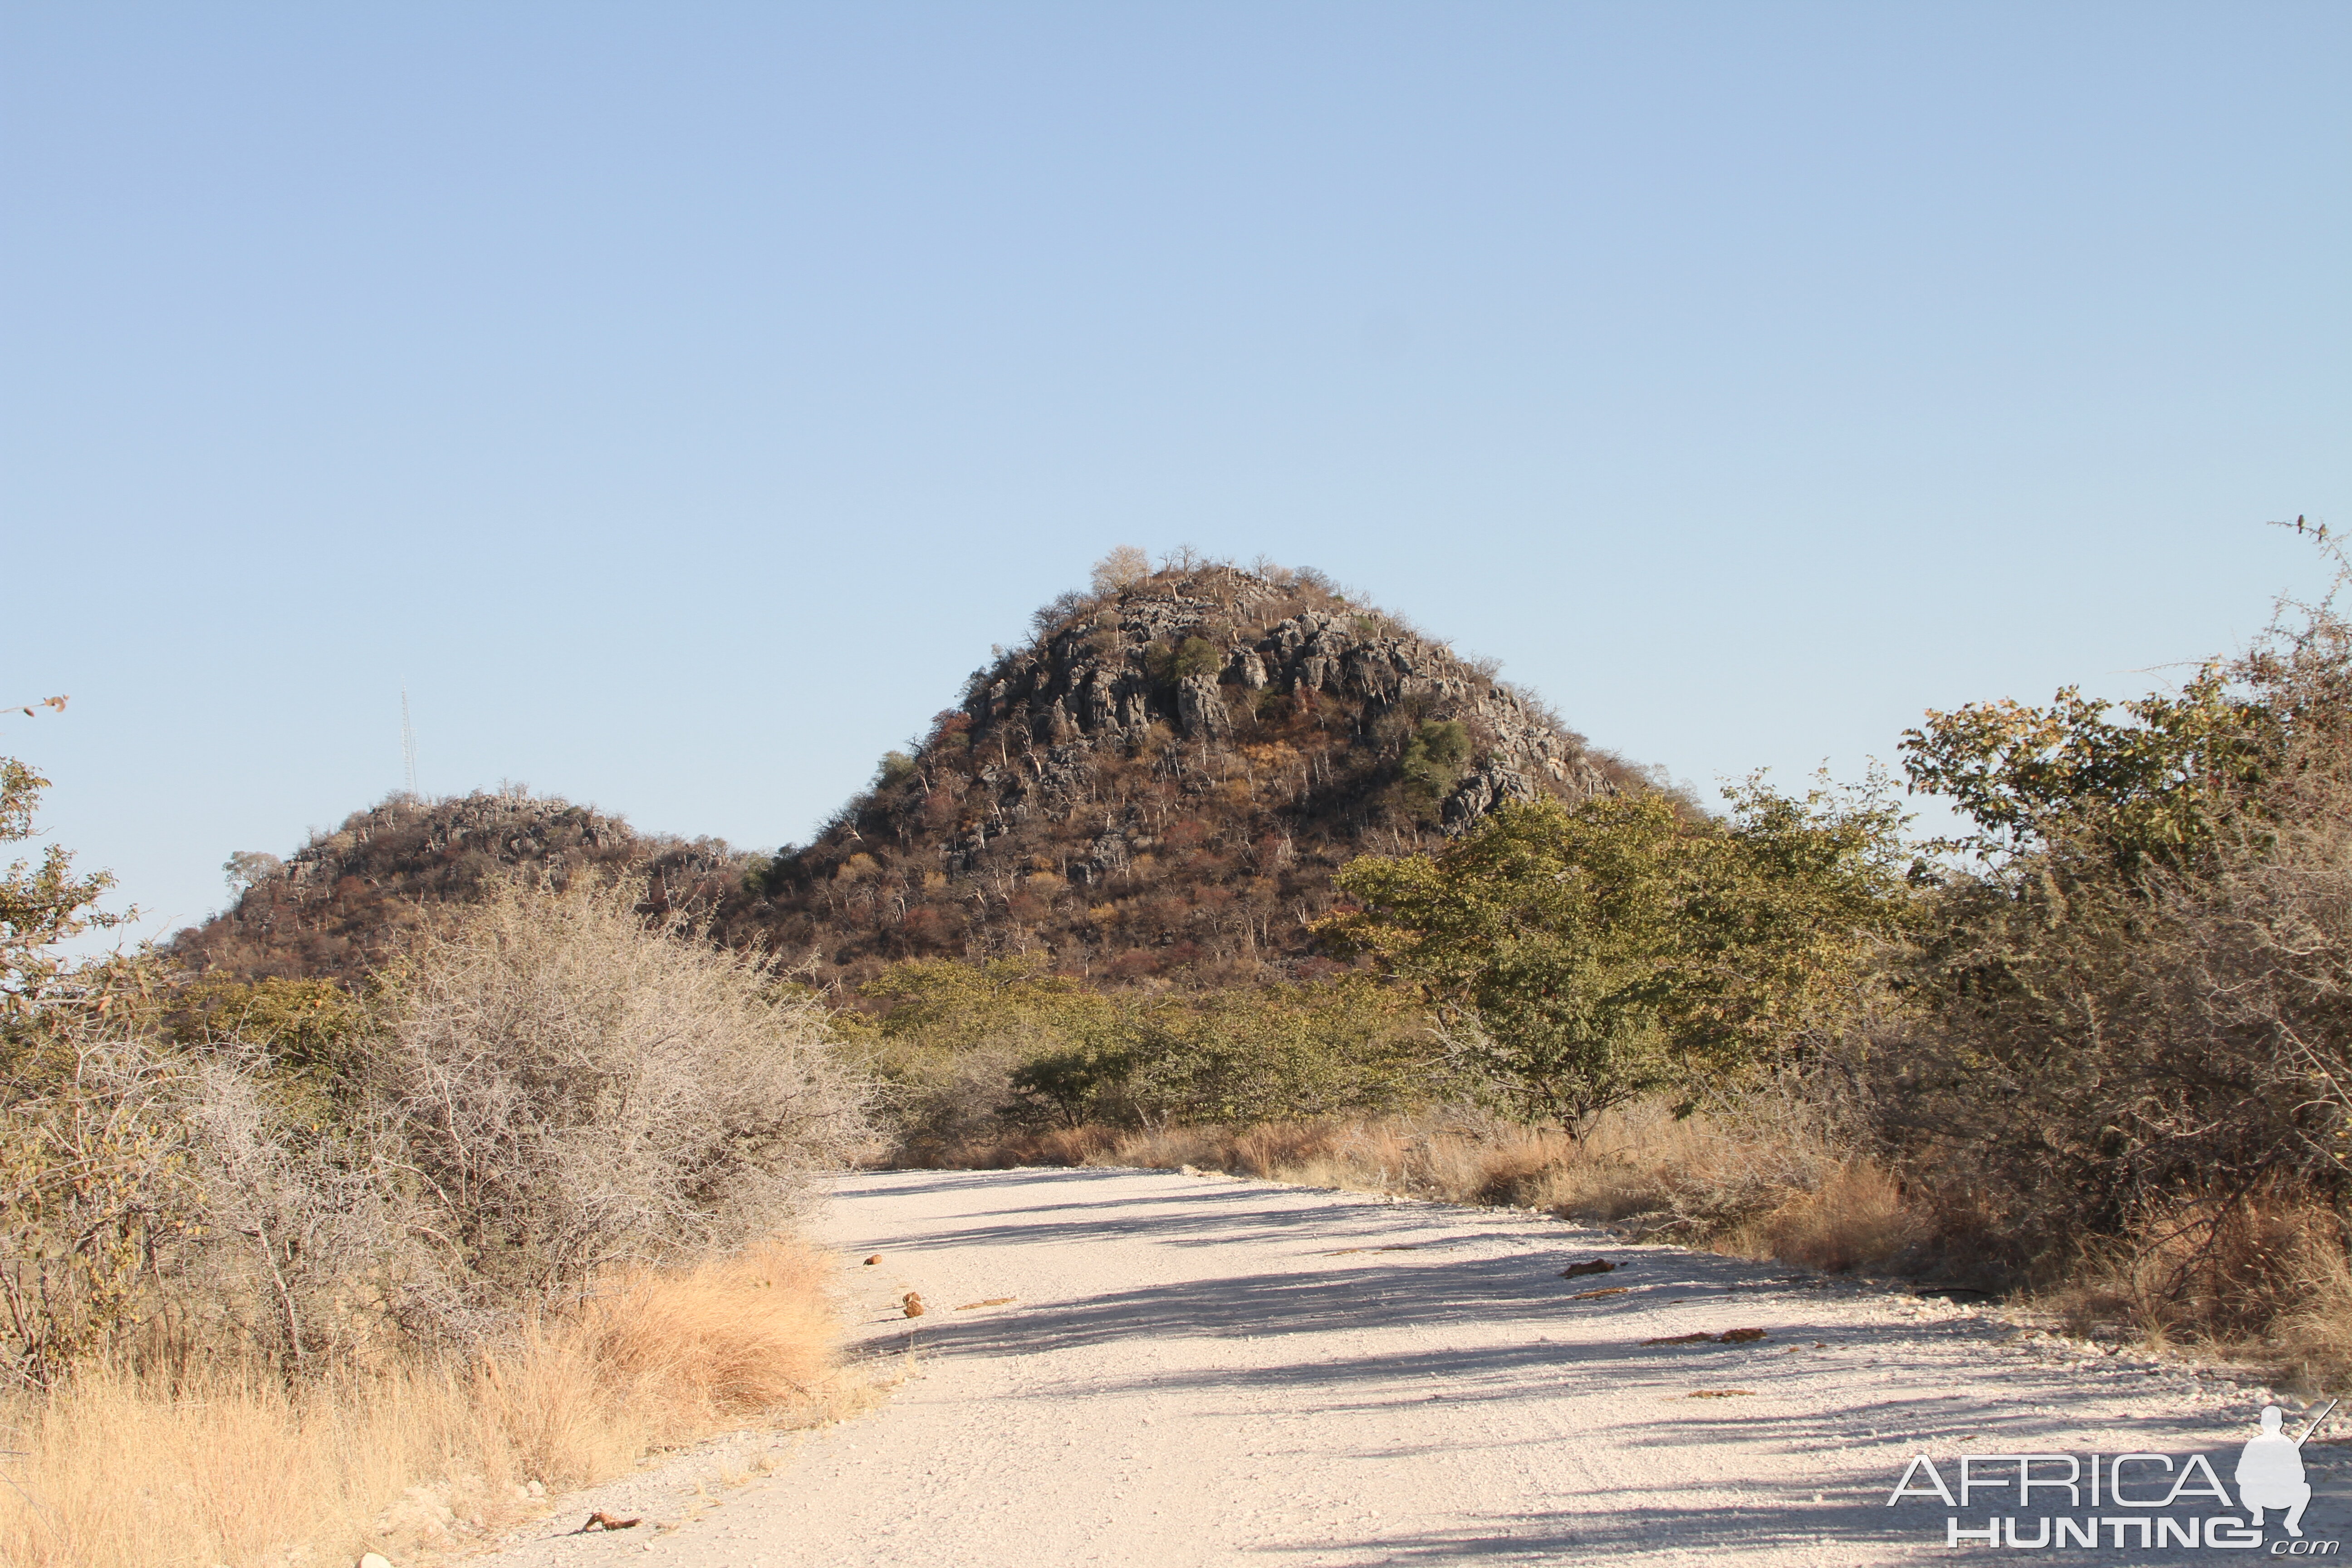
340,902
1160,785
1156,789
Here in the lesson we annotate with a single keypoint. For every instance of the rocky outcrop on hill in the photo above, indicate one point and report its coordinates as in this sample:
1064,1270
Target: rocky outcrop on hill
1161,782
1081,691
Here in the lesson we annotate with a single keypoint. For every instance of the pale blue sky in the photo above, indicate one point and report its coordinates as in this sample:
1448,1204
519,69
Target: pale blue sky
681,398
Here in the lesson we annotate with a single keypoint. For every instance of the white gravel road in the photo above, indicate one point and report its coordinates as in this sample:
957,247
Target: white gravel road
1197,1369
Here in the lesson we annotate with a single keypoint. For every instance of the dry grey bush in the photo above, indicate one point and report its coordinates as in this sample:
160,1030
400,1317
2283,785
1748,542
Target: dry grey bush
578,1087
1122,567
92,1184
309,1229
169,1201
557,1086
2263,964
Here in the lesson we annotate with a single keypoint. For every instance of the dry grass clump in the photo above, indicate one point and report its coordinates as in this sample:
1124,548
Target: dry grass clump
1761,1187
2262,1278
230,1463
1856,1218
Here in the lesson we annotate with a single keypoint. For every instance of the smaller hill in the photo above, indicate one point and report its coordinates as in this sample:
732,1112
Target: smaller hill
345,897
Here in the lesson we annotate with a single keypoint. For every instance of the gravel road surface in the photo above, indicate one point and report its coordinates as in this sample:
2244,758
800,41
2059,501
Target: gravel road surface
1147,1367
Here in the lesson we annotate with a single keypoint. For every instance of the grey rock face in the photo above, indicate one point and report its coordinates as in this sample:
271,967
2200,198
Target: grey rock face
1103,680
1199,712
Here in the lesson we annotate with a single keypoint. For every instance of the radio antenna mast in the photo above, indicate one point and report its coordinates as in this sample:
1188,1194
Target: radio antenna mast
407,742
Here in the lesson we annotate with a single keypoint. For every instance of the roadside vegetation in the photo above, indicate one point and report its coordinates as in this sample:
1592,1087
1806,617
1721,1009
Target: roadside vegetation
296,1269
461,1165
2094,1052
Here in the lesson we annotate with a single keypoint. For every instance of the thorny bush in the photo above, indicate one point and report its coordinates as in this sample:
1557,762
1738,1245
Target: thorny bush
547,1086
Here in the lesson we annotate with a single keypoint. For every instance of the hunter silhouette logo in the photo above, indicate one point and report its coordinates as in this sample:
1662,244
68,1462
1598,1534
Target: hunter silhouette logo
2270,1472
2142,1487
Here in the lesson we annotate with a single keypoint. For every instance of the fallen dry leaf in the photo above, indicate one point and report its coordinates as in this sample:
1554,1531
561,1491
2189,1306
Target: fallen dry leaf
911,1304
873,1260
600,1519
1604,1290
992,1302
1719,1392
1589,1266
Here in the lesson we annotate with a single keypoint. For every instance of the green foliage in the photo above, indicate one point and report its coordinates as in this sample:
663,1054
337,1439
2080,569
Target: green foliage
1070,1087
2151,791
1584,957
1276,1053
314,1034
1197,656
944,1004
971,1047
1435,756
897,767
1193,656
952,1036
39,906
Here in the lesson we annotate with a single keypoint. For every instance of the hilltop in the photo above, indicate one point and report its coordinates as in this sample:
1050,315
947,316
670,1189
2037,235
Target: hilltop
1156,788
1160,784
339,902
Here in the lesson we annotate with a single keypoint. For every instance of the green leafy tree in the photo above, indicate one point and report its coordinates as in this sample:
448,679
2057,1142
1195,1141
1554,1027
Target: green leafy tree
954,1040
2145,784
1193,656
40,905
1075,1084
1276,1053
1581,958
1431,765
315,1036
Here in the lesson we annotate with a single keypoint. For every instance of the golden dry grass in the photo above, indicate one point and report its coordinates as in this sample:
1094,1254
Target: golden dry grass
1854,1218
2264,1278
1758,1189
122,1469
